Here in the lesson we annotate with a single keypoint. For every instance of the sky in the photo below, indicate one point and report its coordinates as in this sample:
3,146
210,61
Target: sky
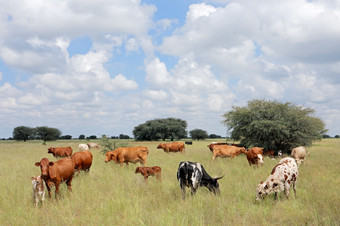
104,67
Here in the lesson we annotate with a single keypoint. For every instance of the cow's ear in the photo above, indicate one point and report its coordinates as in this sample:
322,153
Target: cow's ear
37,164
261,182
32,178
51,163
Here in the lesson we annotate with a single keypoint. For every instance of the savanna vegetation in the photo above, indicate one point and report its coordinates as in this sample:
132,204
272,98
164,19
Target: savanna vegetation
274,125
111,195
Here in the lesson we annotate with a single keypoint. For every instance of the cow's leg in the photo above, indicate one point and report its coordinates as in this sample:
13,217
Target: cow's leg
48,189
183,190
294,189
286,190
69,186
57,184
275,196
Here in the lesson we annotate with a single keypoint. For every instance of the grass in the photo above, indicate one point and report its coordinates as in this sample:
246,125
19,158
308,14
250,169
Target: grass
111,195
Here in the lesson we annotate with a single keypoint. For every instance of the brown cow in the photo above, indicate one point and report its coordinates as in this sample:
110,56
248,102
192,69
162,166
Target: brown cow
82,160
255,156
213,144
128,154
56,172
60,151
269,153
227,151
172,147
155,171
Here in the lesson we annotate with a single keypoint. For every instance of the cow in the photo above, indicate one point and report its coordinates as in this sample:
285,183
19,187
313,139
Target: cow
82,160
269,153
227,151
283,176
255,156
155,171
60,151
299,154
93,145
172,147
38,190
193,175
128,154
83,147
53,173
213,144
188,142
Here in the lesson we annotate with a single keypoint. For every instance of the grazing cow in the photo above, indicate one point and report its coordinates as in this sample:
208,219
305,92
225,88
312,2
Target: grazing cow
282,177
299,154
214,144
83,147
193,175
56,172
255,156
155,171
82,160
93,145
188,142
172,147
38,190
269,153
128,154
227,151
60,151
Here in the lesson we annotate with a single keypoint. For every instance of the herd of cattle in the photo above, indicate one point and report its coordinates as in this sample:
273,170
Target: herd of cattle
189,174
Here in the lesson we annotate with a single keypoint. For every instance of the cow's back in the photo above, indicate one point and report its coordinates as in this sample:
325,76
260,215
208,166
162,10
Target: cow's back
62,169
82,159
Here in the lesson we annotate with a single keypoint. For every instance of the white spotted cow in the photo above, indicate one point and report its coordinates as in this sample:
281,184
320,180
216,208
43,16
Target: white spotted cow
38,190
283,176
193,175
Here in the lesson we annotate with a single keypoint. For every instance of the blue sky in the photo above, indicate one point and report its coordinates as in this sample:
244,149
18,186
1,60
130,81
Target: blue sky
94,69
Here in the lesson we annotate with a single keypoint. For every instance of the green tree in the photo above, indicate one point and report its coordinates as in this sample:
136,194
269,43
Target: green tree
198,134
47,134
169,128
214,136
336,136
274,125
81,137
23,133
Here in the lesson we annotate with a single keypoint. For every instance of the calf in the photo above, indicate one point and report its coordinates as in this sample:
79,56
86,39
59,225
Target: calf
255,156
38,190
283,176
193,175
155,171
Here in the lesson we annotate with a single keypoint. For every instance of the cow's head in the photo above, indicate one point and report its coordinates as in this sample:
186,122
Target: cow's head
138,170
213,185
259,159
262,190
160,146
44,166
108,156
36,181
243,150
50,150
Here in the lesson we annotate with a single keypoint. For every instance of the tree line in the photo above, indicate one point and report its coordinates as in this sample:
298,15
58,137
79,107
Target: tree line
269,124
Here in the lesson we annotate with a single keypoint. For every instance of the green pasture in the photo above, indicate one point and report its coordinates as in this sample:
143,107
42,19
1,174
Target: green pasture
111,195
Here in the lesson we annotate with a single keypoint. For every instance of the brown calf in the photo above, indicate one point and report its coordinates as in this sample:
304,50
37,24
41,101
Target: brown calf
155,171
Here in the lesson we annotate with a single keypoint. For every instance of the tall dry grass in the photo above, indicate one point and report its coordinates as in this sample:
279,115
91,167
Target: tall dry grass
111,195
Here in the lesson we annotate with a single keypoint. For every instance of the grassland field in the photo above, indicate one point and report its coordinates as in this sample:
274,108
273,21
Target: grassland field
114,195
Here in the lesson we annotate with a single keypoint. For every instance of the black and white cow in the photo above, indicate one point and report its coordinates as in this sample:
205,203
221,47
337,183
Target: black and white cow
193,175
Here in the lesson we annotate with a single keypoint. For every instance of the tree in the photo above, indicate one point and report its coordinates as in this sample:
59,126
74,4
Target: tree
273,125
169,128
66,137
214,136
81,137
46,133
336,136
198,134
23,133
122,136
92,137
